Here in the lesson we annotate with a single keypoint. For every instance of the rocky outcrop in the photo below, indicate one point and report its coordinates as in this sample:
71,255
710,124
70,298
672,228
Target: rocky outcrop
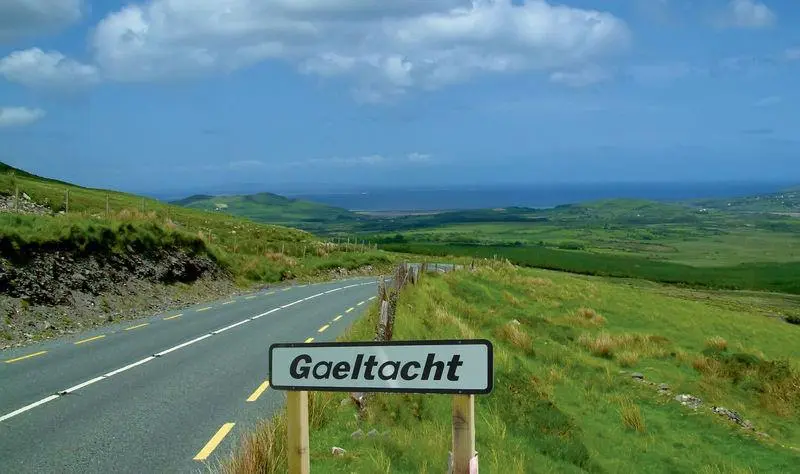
23,206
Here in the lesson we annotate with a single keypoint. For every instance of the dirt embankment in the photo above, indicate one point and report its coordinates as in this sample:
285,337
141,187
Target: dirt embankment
50,293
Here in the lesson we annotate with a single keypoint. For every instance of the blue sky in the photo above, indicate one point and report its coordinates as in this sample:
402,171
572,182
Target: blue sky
169,94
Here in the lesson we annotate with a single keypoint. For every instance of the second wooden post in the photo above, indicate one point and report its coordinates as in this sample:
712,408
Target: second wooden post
297,421
464,434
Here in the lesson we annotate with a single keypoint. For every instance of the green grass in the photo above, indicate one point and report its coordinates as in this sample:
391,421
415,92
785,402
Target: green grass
776,277
106,221
669,242
560,403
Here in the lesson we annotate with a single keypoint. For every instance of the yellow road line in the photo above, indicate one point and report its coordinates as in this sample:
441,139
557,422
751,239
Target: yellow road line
249,297
287,289
26,357
137,326
173,317
323,328
349,310
204,309
261,388
337,318
91,339
214,442
310,339
270,293
229,302
360,303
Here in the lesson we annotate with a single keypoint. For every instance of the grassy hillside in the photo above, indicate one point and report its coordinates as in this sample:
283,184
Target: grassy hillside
84,216
564,398
274,209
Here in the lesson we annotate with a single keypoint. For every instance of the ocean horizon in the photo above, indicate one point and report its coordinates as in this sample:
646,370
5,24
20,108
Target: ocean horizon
534,196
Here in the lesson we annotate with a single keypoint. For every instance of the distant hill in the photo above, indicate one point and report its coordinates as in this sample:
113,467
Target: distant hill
275,209
787,201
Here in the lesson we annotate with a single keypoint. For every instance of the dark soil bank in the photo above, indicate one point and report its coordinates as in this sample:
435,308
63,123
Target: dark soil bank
51,293
52,278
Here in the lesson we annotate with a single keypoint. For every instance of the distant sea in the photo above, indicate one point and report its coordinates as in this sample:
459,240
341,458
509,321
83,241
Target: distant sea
535,195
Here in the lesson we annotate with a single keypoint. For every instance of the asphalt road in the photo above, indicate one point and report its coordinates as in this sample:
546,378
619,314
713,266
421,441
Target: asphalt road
163,394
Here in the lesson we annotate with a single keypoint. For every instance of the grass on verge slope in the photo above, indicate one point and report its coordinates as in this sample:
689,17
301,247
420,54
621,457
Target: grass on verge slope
560,403
251,251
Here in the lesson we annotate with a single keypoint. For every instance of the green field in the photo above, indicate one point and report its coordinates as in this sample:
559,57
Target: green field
676,243
564,399
774,277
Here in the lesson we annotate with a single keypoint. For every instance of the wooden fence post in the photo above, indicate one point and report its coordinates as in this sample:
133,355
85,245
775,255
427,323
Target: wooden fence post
297,431
464,435
66,205
108,213
16,198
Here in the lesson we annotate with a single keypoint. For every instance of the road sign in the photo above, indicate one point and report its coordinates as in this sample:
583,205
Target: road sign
452,366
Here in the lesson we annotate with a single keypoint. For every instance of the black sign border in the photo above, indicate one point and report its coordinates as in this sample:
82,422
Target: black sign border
436,342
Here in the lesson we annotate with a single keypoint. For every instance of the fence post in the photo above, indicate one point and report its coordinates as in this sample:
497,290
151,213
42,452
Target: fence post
66,203
297,431
16,198
464,434
108,213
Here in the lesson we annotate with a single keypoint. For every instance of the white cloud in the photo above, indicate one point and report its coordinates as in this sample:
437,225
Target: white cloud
20,18
37,68
19,116
386,47
748,14
768,101
581,78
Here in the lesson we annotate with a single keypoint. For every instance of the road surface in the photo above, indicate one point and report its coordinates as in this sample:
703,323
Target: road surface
164,394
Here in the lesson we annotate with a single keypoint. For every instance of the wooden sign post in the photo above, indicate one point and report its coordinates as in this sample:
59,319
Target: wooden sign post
463,434
463,368
297,431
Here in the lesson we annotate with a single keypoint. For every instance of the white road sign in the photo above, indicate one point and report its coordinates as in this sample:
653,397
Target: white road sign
458,366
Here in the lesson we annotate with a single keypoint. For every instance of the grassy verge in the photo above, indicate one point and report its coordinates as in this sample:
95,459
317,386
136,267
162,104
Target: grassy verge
562,402
95,220
777,277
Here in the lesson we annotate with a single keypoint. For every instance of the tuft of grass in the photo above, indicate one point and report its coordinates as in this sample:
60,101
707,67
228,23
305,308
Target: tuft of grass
627,358
601,345
717,343
261,451
585,317
604,344
631,416
513,333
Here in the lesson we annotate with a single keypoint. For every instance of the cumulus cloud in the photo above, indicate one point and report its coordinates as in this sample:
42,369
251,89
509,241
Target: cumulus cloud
748,14
387,47
20,18
19,116
37,68
581,78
